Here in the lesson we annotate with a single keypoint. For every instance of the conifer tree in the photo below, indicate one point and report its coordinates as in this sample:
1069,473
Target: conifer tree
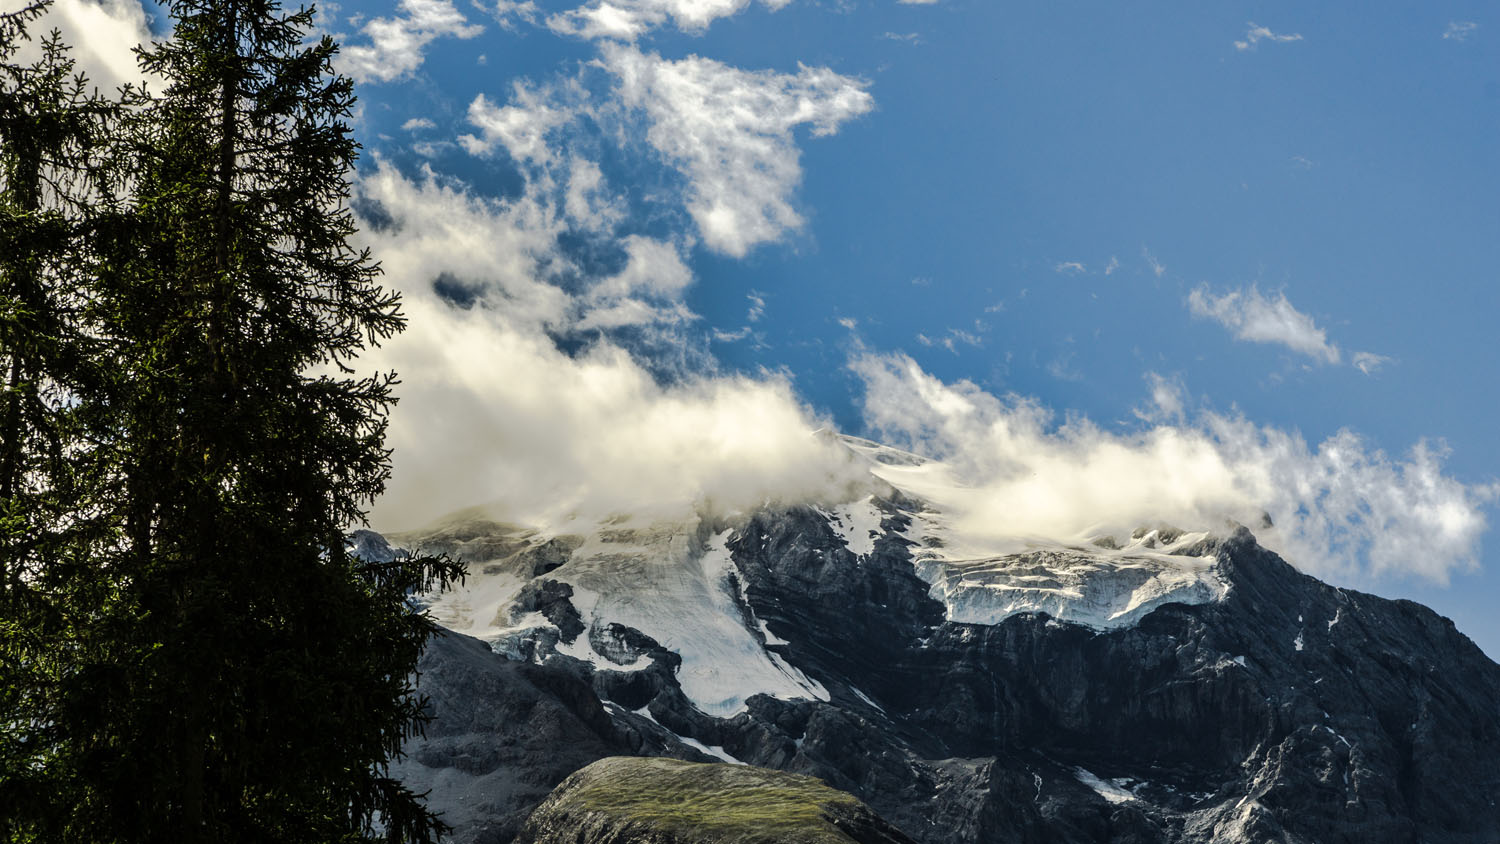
234,672
52,135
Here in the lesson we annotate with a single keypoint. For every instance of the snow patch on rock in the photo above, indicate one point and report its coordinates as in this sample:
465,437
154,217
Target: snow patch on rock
656,579
1097,586
713,750
1104,788
857,523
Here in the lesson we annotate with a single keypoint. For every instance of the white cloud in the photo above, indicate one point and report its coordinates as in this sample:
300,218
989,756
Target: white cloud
438,229
1370,363
1168,400
731,336
1340,509
1157,267
507,12
1114,264
653,267
1069,267
623,313
432,149
1255,34
629,19
521,128
1459,30
505,254
588,201
917,2
729,131
416,123
396,44
958,335
502,418
493,413
102,36
1061,367
1257,318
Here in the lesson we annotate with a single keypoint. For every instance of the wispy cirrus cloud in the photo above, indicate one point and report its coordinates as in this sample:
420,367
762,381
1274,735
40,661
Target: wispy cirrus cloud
1459,30
1168,400
757,302
951,339
397,43
1158,269
508,12
1370,363
627,20
1256,34
1257,318
730,133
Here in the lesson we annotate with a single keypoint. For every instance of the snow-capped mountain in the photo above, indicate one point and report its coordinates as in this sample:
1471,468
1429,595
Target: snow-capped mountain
1154,686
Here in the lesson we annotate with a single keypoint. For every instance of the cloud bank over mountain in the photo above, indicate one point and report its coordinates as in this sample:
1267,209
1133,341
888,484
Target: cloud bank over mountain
1337,509
494,411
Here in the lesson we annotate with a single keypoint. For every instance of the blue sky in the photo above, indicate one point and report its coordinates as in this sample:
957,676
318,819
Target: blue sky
1247,227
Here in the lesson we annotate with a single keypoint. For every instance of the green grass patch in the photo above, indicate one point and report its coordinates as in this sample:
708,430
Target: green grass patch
732,801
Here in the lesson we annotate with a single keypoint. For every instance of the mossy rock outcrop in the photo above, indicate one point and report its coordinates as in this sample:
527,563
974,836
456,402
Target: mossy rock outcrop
629,800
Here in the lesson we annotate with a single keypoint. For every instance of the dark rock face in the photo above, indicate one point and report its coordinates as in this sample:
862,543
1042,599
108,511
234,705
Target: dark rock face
550,598
655,801
506,732
1290,711
862,615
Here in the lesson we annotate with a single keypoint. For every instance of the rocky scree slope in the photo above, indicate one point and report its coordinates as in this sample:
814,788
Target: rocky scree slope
1262,706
